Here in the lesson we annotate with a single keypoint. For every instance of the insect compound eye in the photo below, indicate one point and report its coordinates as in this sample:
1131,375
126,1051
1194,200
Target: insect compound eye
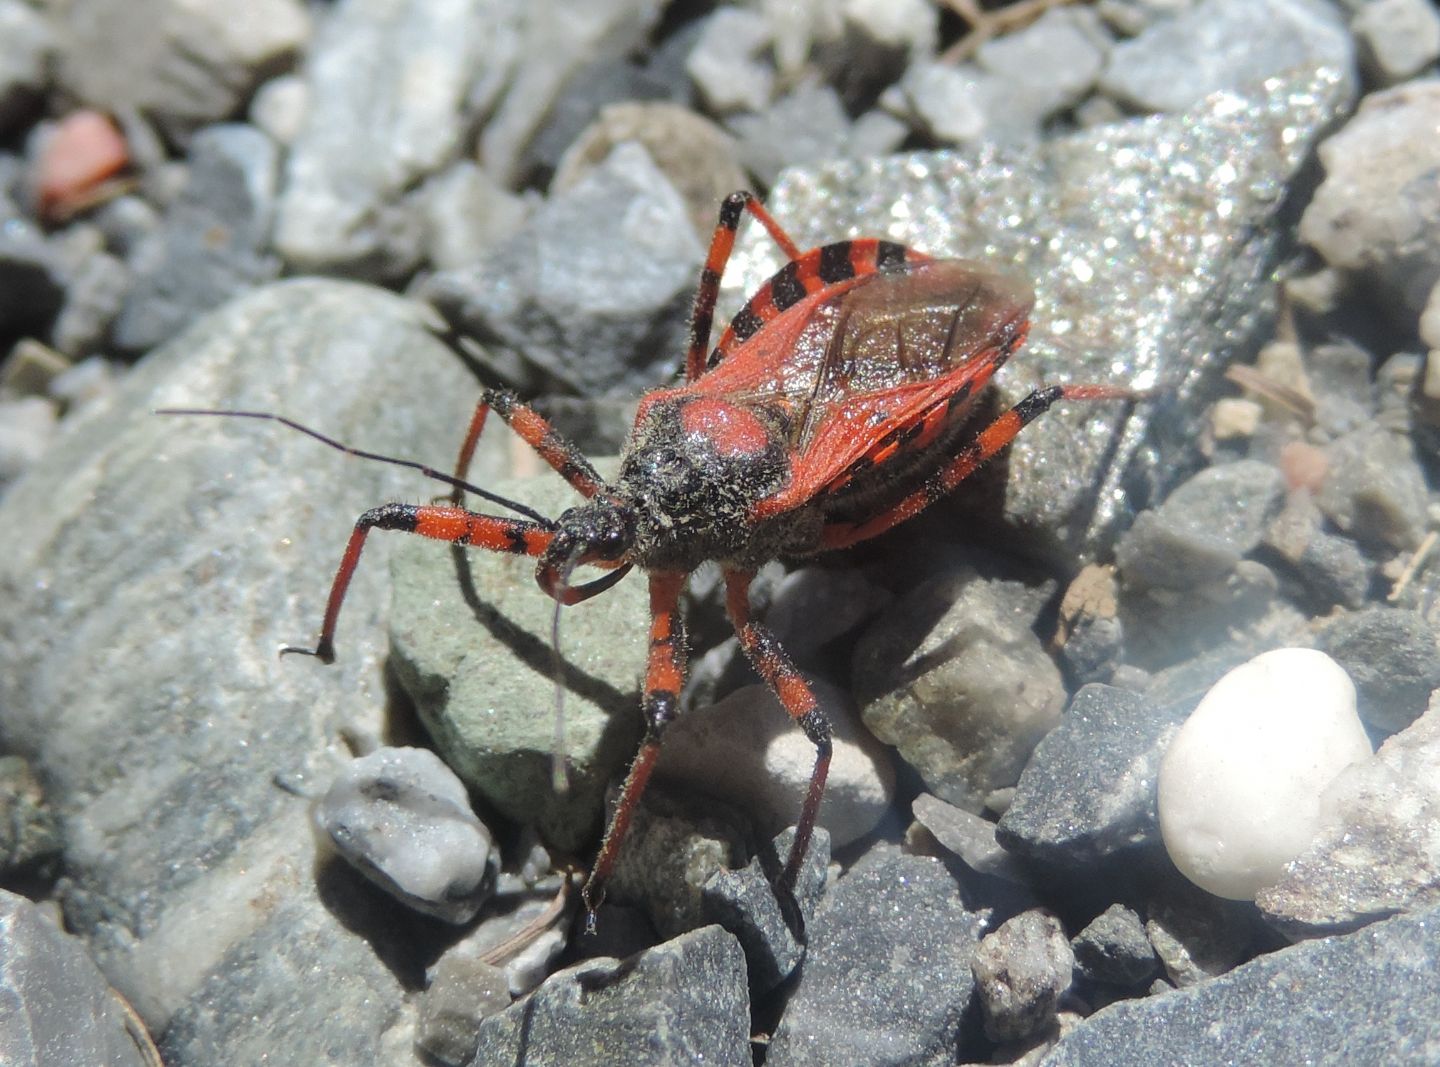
594,532
611,534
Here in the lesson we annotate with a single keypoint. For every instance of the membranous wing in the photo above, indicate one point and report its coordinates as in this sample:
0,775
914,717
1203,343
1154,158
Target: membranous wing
856,366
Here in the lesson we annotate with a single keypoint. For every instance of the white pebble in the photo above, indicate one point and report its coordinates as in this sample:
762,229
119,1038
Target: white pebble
26,428
726,63
403,819
1240,786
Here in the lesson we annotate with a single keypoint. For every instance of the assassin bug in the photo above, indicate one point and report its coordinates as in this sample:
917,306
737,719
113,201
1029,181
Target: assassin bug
833,408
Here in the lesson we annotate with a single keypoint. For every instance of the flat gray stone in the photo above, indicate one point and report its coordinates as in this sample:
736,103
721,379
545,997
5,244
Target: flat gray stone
1393,657
470,640
1369,997
153,567
1204,528
969,836
592,292
887,977
1220,45
213,243
1150,244
954,678
183,63
373,127
55,1006
1088,792
683,1001
1379,854
771,931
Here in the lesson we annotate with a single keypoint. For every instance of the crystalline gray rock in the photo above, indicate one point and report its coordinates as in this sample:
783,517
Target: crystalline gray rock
1150,244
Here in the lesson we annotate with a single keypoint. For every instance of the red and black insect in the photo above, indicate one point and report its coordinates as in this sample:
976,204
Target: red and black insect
834,407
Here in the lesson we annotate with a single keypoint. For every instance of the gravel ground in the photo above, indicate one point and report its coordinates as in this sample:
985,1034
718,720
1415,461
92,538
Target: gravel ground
358,214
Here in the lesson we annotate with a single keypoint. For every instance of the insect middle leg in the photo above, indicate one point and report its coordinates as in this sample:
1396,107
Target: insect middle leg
795,696
455,525
984,445
664,676
722,243
535,430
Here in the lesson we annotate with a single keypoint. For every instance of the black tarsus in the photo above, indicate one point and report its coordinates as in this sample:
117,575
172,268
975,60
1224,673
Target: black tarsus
324,652
429,472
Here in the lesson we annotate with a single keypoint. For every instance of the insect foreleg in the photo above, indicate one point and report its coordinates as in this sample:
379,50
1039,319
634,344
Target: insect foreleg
455,525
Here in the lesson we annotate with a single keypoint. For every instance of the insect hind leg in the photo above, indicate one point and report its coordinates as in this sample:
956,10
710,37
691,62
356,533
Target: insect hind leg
722,243
977,450
455,525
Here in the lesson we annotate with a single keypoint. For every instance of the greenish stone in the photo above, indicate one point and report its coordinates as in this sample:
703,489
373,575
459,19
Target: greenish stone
470,639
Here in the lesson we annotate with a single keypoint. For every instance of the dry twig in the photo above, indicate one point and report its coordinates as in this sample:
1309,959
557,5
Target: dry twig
985,25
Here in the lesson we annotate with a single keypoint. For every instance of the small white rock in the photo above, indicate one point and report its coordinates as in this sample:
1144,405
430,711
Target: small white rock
949,102
280,106
1430,319
726,64
912,24
27,426
1240,786
402,818
1236,418
1398,38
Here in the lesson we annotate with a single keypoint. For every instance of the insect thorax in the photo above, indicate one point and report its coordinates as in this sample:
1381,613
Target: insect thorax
693,469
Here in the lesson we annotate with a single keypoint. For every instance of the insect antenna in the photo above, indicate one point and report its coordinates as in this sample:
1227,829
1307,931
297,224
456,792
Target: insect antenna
429,472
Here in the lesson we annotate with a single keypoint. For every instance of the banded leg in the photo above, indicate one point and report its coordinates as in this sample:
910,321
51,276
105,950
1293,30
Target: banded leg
990,440
455,525
770,662
721,245
535,430
664,675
